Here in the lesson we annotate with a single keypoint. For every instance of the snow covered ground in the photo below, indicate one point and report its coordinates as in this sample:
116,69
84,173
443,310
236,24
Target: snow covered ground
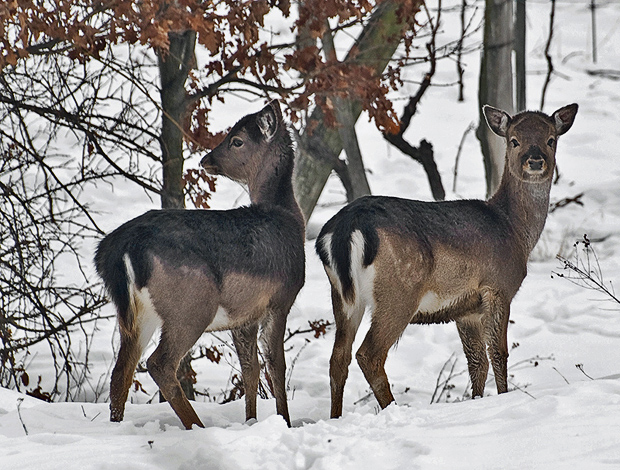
558,416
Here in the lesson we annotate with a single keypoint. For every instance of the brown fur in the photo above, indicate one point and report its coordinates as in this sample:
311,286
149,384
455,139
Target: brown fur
459,261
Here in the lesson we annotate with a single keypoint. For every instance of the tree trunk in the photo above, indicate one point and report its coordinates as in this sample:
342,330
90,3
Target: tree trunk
352,173
319,149
174,67
520,32
495,84
355,164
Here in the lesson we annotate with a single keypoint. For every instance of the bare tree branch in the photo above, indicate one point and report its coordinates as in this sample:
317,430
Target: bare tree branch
424,153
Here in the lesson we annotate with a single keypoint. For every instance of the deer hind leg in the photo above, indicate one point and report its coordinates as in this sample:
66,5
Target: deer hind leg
133,344
496,315
122,375
245,339
347,323
175,342
389,320
272,340
471,332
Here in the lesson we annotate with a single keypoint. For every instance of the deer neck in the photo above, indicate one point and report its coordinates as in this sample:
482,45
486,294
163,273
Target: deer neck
273,185
525,204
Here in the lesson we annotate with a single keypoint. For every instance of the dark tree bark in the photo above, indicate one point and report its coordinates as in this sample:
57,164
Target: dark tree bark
459,53
548,56
174,68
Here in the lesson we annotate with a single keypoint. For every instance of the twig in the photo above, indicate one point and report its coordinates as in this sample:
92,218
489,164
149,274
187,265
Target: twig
609,74
459,52
548,55
560,374
588,272
446,383
580,367
522,390
318,327
19,413
470,128
364,398
566,201
294,362
424,153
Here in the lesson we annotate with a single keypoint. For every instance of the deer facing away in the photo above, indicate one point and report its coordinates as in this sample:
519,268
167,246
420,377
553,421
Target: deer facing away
436,262
190,271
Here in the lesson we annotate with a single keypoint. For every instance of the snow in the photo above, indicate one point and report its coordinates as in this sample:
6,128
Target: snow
556,416
573,426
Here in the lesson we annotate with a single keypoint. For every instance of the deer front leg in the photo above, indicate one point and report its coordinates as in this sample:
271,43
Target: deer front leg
496,316
471,333
245,339
347,323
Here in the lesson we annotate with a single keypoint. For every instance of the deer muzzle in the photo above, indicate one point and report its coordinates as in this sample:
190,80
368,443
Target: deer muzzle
208,164
534,160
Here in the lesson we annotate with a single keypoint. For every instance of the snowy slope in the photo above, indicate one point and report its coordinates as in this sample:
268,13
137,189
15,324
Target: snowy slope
555,417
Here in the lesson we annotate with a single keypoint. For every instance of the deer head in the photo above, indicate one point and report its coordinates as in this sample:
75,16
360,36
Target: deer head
241,155
531,140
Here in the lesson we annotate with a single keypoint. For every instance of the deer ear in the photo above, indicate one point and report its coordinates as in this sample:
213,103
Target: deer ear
268,119
564,118
496,119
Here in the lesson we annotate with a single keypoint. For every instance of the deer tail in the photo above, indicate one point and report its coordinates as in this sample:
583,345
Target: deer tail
118,276
345,244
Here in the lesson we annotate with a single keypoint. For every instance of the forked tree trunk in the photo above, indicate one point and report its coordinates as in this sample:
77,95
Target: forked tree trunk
320,148
354,177
355,164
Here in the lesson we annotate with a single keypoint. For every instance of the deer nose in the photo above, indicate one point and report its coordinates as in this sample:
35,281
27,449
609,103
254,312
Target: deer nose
208,161
208,164
535,158
205,160
536,162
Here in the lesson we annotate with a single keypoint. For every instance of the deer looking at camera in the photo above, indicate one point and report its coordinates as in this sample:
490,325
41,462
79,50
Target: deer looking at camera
191,271
436,262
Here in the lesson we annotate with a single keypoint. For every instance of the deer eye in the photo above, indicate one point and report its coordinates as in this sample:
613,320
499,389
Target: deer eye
551,142
514,143
236,141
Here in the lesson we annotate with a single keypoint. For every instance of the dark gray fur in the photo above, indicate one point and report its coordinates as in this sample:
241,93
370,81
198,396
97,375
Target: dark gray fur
248,261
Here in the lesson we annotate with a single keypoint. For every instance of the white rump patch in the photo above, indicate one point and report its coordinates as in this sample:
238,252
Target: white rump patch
326,243
145,316
363,277
330,267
